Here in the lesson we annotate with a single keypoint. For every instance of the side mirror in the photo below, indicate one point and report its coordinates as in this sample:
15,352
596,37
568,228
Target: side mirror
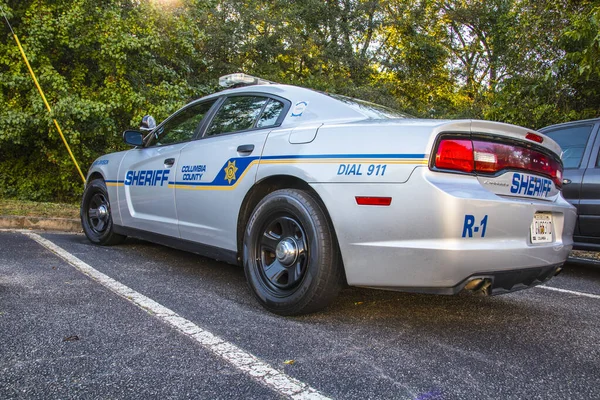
133,138
148,123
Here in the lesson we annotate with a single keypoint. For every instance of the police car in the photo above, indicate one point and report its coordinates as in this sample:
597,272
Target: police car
310,191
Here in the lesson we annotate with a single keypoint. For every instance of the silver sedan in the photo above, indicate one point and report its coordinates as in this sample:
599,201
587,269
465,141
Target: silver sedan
310,191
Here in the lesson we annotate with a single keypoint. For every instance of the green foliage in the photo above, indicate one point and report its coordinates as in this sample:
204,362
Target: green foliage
103,65
557,79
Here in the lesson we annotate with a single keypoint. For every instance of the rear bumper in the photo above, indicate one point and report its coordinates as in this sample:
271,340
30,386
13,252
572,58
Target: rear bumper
510,281
418,243
492,283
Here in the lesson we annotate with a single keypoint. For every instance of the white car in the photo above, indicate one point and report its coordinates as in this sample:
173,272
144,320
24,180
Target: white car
310,191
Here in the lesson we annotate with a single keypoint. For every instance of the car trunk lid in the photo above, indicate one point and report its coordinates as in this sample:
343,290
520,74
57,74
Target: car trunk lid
507,160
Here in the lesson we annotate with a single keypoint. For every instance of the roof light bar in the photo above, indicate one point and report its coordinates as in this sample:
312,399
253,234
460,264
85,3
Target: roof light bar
240,79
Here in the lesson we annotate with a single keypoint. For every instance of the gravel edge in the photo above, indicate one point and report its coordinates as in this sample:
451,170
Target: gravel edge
43,223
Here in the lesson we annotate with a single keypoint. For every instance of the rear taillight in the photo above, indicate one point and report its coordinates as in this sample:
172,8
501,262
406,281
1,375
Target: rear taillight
455,154
490,158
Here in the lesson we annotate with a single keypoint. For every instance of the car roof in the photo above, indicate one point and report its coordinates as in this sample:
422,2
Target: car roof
319,107
577,122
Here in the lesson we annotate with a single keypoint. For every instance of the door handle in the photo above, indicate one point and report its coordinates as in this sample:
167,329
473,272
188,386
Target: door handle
169,162
245,149
566,181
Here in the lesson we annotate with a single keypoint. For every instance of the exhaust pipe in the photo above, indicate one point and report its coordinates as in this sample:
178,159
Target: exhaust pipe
479,286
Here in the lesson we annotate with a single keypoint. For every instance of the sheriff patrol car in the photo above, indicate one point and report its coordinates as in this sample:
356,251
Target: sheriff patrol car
310,191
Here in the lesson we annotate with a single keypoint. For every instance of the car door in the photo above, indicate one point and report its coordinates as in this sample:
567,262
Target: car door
589,203
216,172
149,172
576,141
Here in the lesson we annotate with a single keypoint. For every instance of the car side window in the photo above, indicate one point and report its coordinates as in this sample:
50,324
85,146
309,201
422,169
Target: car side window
270,114
237,113
598,156
572,140
181,127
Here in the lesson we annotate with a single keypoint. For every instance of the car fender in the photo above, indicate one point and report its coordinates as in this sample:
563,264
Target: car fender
107,167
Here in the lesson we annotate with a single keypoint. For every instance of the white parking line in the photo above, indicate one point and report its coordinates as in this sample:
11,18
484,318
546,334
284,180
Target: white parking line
240,359
582,294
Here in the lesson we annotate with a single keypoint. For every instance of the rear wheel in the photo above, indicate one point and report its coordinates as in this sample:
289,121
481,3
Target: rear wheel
96,217
291,258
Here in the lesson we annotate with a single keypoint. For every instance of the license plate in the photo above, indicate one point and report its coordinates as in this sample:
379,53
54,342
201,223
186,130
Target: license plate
541,228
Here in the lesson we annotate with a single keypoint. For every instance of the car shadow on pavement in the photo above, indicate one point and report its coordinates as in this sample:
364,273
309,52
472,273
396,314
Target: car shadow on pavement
357,306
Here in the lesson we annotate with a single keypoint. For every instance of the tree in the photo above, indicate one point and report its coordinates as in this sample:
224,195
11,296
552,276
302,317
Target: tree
103,65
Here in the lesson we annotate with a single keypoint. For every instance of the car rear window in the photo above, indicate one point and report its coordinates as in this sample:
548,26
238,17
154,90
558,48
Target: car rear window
370,110
572,140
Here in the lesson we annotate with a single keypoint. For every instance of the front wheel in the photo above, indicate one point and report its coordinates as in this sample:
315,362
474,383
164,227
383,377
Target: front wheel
96,217
291,258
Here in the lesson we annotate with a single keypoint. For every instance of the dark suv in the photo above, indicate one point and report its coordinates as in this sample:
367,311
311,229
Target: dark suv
580,143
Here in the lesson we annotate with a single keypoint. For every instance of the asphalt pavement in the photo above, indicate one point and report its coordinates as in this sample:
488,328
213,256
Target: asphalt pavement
64,334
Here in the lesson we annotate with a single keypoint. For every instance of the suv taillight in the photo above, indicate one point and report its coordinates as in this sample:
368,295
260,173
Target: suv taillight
490,158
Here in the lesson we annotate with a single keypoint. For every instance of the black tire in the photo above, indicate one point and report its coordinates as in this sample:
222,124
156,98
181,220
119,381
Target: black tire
291,258
96,216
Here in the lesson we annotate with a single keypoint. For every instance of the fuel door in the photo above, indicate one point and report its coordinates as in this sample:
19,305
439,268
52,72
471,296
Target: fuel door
304,134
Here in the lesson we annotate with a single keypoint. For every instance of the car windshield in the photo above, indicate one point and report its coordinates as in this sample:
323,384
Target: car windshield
371,110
